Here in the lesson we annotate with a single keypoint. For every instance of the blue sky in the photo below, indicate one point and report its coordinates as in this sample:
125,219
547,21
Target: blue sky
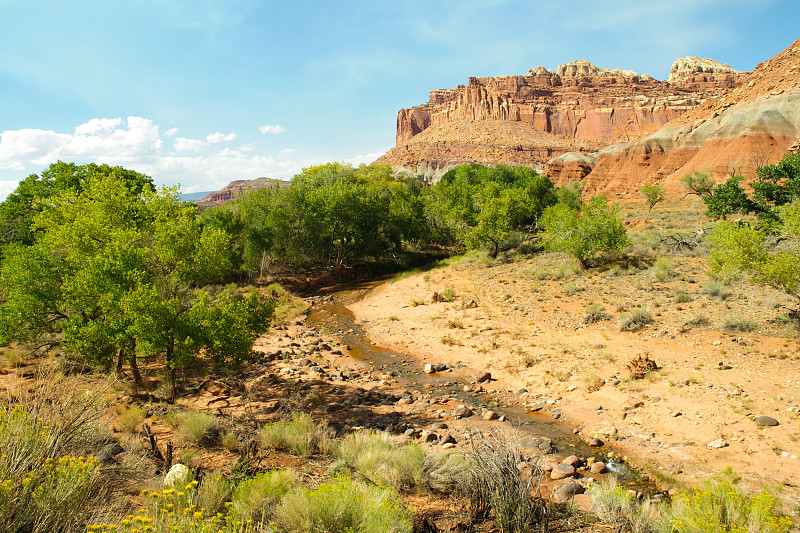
200,93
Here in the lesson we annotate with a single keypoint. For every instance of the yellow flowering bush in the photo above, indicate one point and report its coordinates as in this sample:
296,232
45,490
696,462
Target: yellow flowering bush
176,510
39,492
719,507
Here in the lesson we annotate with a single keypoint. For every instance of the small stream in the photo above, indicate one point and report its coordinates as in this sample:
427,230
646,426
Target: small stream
333,316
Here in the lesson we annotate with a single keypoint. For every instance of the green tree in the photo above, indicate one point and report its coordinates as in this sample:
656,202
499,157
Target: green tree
653,194
729,199
117,274
21,206
769,257
595,229
570,194
474,205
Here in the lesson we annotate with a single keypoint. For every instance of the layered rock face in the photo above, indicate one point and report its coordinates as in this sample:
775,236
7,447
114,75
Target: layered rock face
238,187
754,124
578,101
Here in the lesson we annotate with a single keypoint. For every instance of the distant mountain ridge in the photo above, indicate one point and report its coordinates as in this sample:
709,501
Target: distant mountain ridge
238,187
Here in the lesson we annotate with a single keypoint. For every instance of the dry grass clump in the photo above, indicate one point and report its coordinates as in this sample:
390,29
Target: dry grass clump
301,436
738,324
195,427
256,498
594,312
47,477
498,486
636,319
131,419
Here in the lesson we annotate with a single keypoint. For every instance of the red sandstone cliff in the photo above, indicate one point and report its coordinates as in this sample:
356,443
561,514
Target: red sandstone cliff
551,113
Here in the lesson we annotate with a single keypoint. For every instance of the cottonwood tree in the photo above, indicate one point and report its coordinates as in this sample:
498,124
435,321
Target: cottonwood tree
593,230
115,275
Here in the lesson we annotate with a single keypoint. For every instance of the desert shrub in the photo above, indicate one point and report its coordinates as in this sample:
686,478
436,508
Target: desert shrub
42,490
448,295
194,427
230,441
497,485
682,297
696,320
175,509
615,507
718,505
255,498
738,324
131,419
343,506
213,492
636,319
661,269
287,305
300,436
594,312
374,456
717,290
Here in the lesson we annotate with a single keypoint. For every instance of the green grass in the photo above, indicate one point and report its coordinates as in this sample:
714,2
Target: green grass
374,456
255,498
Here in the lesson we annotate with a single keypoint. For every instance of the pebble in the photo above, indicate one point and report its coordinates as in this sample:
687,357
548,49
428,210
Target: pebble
562,471
719,443
463,412
483,376
766,421
490,415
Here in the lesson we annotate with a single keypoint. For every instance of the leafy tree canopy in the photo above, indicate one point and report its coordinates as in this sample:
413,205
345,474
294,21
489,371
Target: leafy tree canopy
594,229
477,205
115,272
19,208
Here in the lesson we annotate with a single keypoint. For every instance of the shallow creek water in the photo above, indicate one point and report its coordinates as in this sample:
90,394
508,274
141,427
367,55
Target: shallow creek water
334,317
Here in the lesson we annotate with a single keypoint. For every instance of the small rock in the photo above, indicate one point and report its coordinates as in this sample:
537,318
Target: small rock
572,460
463,412
766,421
449,439
483,376
563,491
430,437
107,453
440,425
562,471
596,443
490,415
571,388
598,468
719,443
448,445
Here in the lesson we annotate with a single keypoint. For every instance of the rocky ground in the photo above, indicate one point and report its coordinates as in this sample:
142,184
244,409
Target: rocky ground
717,398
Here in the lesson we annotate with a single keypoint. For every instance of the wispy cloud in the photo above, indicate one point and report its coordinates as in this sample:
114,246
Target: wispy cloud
271,128
182,144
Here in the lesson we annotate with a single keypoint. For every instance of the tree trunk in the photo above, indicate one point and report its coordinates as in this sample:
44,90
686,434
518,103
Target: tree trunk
137,377
172,370
120,361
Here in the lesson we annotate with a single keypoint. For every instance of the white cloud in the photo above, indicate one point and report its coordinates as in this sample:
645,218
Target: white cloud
21,147
288,150
170,132
365,159
271,128
99,126
218,137
182,144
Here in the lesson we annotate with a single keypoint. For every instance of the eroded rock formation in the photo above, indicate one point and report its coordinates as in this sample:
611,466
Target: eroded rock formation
753,124
578,101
